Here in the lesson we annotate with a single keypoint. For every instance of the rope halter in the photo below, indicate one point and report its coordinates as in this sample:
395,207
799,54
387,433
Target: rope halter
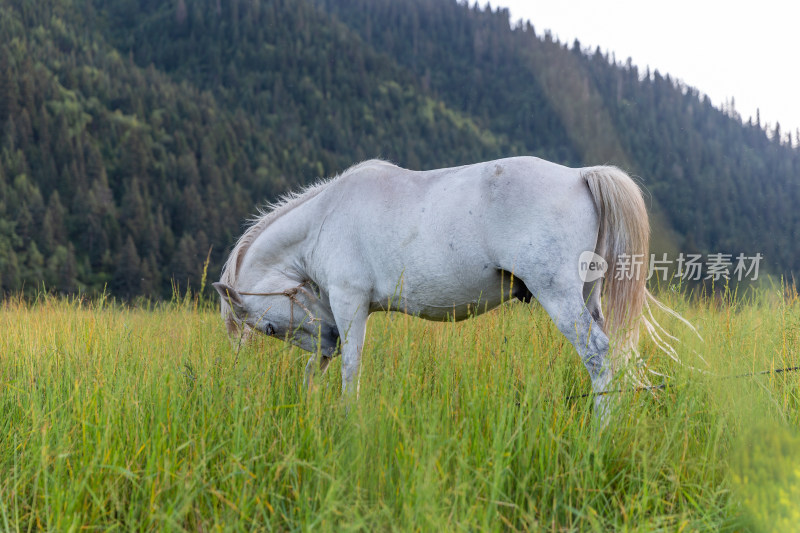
292,295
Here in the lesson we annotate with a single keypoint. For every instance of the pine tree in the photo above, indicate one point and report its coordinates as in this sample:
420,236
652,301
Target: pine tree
54,229
127,279
62,270
185,263
33,273
134,211
8,89
181,13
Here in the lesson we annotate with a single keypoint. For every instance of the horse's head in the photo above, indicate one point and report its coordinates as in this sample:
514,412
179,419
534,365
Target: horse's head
294,313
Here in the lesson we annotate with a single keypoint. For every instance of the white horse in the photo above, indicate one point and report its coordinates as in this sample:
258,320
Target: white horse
443,244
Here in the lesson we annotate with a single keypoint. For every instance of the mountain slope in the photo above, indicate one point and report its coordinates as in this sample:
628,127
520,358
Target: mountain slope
136,135
143,169
720,184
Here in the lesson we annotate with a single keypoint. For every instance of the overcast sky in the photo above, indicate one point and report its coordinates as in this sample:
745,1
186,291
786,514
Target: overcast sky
746,50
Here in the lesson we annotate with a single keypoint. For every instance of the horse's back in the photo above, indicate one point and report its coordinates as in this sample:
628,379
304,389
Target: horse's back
503,183
484,207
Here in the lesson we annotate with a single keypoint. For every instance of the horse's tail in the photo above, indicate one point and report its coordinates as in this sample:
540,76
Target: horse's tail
624,241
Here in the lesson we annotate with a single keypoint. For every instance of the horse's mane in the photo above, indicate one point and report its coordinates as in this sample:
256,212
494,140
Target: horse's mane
274,210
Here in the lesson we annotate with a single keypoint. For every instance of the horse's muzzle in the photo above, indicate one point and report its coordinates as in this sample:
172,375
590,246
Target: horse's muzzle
332,342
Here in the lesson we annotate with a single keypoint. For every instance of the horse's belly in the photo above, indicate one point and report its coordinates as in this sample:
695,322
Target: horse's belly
457,311
453,295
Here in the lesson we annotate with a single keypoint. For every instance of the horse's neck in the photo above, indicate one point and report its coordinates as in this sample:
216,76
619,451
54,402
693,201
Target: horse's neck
283,245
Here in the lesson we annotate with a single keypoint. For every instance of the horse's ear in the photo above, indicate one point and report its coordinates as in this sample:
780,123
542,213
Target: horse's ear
229,295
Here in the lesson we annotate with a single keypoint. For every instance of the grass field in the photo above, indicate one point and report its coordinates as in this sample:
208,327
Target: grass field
118,418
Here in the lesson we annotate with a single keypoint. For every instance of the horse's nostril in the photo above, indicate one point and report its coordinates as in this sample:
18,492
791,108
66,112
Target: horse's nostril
269,330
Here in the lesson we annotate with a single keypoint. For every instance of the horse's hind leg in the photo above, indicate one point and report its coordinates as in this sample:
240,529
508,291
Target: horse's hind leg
576,322
591,297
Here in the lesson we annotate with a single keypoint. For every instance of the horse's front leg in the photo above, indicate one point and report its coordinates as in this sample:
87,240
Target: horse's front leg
324,361
308,381
350,312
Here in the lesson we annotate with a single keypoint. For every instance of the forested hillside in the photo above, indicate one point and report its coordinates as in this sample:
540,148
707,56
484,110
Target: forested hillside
137,135
724,186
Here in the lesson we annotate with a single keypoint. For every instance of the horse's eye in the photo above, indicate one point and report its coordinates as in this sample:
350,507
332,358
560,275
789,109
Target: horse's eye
269,330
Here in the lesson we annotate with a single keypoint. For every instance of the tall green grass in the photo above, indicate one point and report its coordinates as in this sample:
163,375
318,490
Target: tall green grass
119,418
